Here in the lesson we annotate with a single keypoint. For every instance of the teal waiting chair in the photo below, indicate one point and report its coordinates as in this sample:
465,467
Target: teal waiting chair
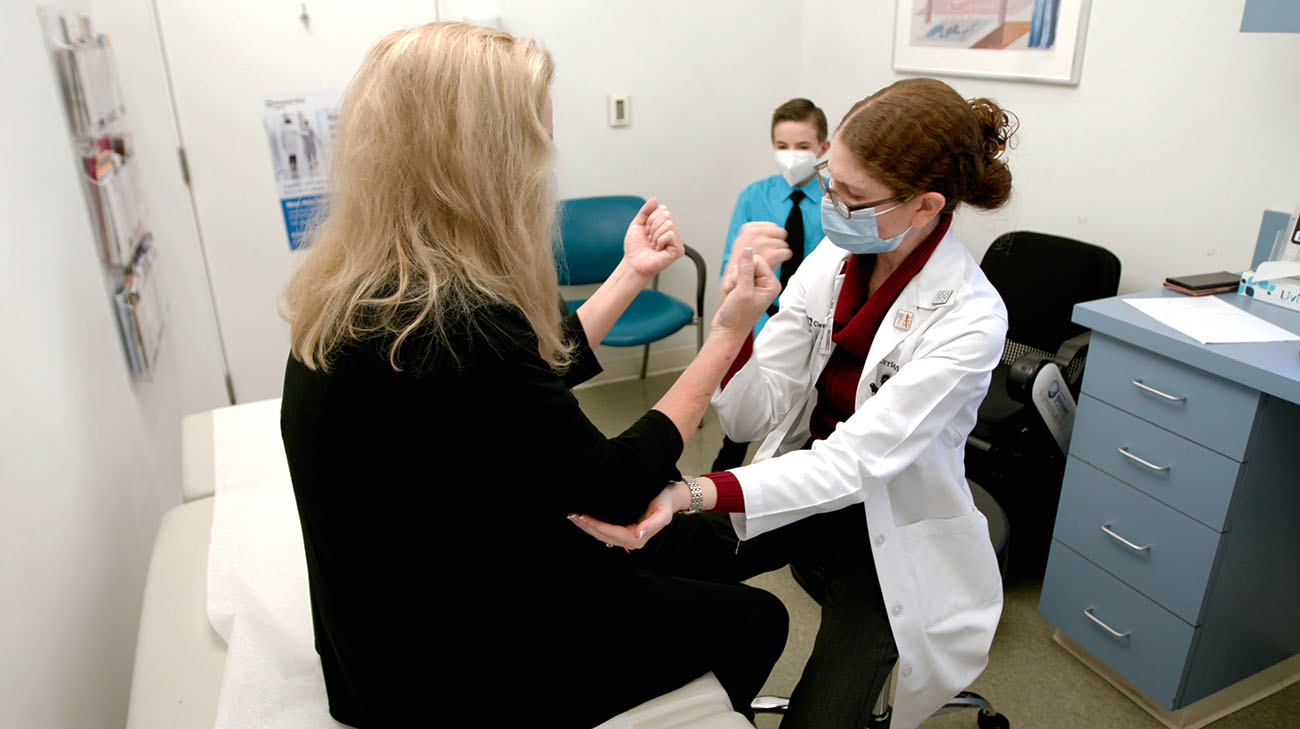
590,247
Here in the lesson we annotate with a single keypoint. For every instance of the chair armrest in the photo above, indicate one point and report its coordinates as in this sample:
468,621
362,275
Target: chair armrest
1020,377
701,273
1073,348
1076,346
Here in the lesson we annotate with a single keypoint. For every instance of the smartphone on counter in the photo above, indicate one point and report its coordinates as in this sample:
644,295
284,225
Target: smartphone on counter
1202,284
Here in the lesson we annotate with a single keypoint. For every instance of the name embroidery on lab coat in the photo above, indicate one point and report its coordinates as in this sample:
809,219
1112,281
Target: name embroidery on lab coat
884,376
903,319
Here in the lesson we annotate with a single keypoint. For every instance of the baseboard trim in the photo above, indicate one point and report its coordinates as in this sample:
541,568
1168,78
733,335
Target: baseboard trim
1207,710
621,368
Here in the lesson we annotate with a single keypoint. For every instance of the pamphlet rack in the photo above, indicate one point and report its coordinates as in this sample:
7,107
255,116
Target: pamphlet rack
92,100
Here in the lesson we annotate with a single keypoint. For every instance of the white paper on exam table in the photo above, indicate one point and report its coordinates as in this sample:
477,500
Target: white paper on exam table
1210,320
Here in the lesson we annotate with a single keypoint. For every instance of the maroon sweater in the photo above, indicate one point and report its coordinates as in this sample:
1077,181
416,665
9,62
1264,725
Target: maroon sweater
858,315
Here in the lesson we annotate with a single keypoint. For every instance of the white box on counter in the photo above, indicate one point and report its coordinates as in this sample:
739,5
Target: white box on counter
1276,282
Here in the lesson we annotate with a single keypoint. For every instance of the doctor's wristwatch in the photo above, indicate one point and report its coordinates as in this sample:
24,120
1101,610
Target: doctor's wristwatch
697,495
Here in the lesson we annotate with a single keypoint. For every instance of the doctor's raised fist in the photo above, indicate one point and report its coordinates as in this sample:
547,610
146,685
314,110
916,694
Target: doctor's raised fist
768,241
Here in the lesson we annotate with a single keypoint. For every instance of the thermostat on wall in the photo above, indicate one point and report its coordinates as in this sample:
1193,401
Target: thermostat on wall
618,110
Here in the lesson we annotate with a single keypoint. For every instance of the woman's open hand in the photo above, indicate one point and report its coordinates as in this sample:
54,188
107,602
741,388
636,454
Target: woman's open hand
652,241
633,536
752,291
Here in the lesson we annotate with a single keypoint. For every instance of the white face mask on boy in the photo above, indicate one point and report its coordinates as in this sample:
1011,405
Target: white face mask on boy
796,165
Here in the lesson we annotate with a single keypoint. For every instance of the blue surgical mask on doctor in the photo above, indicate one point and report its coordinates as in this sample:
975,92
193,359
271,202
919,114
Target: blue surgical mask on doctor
859,233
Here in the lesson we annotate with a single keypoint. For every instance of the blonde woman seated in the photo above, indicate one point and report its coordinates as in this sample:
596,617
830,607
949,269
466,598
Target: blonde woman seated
434,446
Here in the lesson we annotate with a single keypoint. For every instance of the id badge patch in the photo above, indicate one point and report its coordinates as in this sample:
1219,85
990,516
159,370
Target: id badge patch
903,319
821,333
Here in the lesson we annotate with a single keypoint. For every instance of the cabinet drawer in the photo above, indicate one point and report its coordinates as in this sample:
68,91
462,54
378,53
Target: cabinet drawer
1189,477
1169,557
1199,406
1153,644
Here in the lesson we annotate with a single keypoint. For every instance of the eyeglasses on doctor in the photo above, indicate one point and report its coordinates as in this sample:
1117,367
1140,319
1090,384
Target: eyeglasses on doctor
841,207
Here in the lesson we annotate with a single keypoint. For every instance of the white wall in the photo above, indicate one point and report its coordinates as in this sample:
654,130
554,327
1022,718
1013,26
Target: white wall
702,78
1148,156
88,458
1180,133
226,58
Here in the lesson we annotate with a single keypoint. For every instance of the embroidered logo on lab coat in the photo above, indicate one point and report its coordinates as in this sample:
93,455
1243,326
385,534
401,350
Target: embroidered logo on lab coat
941,297
903,319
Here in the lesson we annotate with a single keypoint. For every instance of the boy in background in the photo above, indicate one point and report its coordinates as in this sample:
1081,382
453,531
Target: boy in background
791,199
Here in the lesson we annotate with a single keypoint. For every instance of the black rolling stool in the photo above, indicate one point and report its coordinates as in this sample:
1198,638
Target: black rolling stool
814,584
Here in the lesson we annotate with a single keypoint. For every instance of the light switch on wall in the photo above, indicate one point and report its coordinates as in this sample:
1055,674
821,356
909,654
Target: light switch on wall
618,110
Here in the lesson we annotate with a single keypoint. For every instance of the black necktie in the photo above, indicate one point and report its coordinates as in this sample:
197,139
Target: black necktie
794,237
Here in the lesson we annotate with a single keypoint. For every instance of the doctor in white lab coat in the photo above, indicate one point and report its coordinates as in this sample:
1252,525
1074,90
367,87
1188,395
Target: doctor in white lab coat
890,448
900,455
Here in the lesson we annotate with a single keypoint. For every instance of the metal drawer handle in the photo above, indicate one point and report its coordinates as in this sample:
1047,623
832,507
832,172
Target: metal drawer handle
1106,528
1154,391
1123,451
1088,612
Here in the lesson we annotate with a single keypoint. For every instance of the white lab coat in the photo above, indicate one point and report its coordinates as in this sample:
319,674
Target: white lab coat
900,453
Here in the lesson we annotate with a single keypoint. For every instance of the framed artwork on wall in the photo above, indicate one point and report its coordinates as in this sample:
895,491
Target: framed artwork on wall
1019,40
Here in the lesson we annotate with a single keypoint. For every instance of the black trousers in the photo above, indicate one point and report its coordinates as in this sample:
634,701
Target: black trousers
854,650
655,633
730,455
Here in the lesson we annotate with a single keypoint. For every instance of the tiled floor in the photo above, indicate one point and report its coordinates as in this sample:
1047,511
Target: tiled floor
1030,679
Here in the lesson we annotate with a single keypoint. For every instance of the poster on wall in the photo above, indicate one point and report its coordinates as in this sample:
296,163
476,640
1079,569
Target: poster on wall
299,134
1021,40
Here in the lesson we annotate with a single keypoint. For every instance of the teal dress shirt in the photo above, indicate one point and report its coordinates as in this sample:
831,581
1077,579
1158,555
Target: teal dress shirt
769,199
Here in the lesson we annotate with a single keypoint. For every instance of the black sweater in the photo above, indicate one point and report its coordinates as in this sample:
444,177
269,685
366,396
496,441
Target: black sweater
433,504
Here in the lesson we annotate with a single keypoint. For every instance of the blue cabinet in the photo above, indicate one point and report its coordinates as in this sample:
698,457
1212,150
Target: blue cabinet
1176,553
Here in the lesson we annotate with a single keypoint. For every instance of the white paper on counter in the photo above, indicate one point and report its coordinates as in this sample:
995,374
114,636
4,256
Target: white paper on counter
1209,320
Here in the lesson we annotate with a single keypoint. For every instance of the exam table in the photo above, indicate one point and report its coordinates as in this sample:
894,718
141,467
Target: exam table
186,676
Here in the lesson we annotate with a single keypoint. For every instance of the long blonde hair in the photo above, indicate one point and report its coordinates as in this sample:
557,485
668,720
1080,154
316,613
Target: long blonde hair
441,198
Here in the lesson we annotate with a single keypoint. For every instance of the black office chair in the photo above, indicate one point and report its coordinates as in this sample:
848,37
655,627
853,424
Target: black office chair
1011,452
